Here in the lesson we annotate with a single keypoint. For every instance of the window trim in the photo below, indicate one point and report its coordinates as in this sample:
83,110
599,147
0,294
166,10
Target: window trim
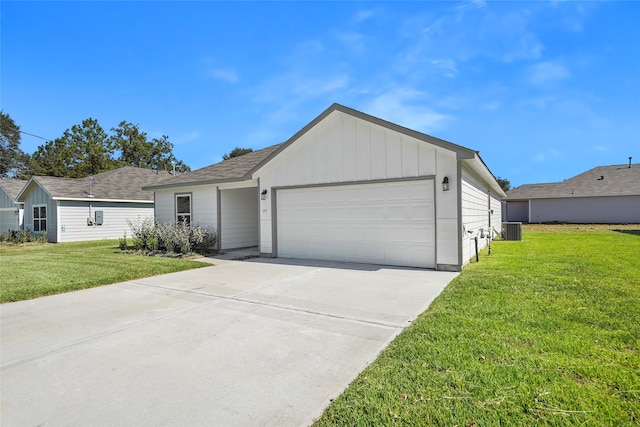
39,218
183,214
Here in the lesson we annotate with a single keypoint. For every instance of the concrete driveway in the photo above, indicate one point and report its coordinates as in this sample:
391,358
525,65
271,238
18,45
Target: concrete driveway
261,342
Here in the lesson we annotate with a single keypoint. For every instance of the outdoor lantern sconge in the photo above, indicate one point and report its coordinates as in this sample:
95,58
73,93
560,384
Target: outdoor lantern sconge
263,195
445,184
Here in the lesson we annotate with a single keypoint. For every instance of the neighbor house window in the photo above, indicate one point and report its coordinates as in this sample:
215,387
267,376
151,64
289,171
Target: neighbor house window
40,218
183,208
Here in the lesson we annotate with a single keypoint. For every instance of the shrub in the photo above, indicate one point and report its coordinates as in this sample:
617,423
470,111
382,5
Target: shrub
142,230
175,237
123,242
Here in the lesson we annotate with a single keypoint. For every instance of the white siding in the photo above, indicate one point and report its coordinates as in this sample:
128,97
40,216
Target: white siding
476,217
72,224
613,209
342,149
203,204
239,218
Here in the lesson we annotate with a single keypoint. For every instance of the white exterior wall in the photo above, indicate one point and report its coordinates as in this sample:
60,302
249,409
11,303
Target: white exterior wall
343,148
204,204
10,213
37,196
516,211
612,209
477,219
72,224
239,218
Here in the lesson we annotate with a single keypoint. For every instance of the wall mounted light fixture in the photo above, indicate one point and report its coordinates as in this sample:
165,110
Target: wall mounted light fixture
445,184
263,195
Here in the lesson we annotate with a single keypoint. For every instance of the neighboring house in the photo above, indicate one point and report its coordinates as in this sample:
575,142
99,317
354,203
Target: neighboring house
91,208
347,187
605,194
11,211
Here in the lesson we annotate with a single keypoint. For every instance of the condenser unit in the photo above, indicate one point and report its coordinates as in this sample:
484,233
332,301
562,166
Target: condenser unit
512,230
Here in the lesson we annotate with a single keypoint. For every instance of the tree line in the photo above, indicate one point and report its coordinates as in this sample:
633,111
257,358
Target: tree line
84,150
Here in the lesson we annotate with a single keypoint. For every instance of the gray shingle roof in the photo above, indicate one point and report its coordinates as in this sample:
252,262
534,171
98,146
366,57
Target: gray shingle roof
12,187
616,180
120,184
236,168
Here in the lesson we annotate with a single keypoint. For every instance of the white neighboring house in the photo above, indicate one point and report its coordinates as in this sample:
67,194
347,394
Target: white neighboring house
347,187
604,195
91,208
11,211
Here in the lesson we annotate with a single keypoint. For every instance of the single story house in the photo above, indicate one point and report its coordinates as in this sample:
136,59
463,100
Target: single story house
604,194
347,187
92,208
11,211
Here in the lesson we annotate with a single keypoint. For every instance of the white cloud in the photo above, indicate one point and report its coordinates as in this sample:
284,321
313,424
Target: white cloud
363,15
547,72
225,74
407,107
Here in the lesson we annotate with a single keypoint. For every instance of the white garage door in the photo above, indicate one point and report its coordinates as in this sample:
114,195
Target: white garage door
382,223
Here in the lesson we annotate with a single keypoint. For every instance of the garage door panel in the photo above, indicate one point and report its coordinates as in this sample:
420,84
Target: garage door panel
382,223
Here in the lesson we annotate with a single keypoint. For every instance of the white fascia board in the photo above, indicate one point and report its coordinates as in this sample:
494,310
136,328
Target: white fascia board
93,199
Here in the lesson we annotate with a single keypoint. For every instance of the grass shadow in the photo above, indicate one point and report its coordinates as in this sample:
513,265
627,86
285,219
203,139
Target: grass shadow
634,232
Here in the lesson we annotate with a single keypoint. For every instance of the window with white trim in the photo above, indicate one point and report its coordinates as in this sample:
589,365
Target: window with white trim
183,208
39,218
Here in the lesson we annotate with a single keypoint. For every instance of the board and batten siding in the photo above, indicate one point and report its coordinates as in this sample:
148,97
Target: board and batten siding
10,213
477,219
342,149
604,210
73,215
204,204
239,218
37,197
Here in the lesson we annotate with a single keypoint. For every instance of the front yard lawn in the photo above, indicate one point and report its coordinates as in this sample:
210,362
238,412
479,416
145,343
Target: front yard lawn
541,332
34,270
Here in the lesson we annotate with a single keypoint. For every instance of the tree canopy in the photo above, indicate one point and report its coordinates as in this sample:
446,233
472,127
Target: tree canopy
13,161
504,183
86,149
237,152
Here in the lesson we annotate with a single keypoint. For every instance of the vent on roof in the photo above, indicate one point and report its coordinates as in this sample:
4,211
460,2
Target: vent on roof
512,230
630,162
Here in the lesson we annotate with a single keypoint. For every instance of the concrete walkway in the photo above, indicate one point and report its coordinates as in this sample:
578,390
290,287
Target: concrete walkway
253,343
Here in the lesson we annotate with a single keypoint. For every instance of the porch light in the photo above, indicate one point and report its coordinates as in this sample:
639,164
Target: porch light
263,195
445,184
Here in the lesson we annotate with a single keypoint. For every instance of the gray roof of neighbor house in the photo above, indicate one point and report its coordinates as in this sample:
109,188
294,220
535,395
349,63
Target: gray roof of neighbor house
242,167
234,169
12,187
616,180
119,184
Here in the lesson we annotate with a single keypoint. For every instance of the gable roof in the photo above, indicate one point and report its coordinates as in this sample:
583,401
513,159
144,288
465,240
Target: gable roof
124,184
616,180
234,169
12,187
242,167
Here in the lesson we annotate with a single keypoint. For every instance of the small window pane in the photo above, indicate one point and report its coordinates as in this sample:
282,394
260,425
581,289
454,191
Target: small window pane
36,212
43,211
183,204
184,218
36,225
43,225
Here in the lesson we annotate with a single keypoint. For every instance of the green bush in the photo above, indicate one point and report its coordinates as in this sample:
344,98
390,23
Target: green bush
122,243
179,237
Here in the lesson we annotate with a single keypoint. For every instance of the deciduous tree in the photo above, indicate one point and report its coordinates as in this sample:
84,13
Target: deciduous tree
237,152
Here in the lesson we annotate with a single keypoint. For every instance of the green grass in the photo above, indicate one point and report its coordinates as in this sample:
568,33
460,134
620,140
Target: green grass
35,270
542,332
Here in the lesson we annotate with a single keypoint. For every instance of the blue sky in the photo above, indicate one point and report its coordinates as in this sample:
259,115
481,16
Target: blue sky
544,90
